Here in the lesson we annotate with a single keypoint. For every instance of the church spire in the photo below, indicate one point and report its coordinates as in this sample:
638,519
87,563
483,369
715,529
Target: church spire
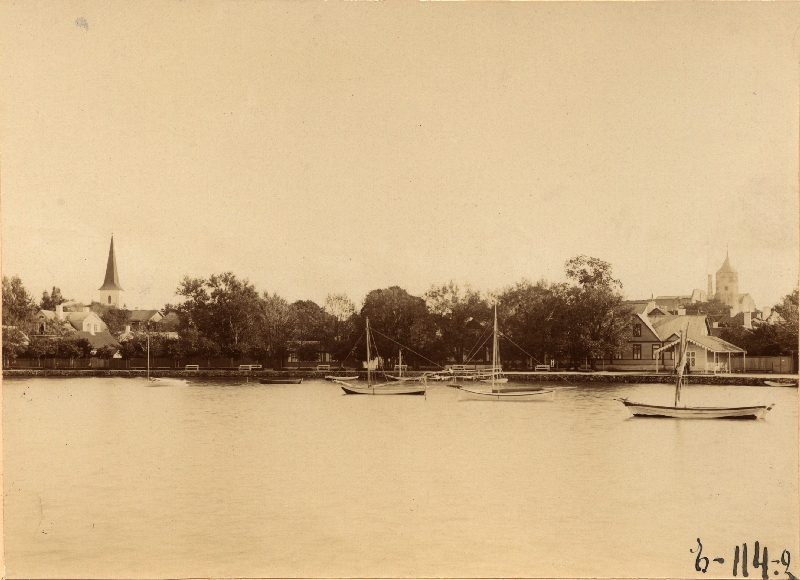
111,281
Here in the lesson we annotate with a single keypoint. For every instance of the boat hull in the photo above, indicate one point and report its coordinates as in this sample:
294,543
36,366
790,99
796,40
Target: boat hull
334,378
781,383
393,389
510,396
640,410
281,381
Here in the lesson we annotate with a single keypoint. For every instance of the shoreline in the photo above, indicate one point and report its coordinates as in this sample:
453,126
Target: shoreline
566,376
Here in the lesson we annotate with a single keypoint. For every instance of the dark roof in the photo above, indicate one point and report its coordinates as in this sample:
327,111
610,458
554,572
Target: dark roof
142,315
99,339
111,281
726,266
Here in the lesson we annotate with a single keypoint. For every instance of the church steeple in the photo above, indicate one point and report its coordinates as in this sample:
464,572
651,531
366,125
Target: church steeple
110,290
726,266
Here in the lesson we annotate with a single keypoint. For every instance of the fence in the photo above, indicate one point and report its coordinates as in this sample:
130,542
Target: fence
764,364
136,363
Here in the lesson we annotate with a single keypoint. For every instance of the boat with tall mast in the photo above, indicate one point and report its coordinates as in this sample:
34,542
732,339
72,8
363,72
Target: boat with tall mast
371,388
495,378
686,412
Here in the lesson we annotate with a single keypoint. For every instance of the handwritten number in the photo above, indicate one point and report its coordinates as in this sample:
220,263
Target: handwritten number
699,559
786,559
763,564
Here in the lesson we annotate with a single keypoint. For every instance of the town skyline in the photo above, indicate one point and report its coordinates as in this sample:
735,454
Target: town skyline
311,161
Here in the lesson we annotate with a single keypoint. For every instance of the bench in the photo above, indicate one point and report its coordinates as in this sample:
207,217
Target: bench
191,368
323,367
249,367
401,367
542,368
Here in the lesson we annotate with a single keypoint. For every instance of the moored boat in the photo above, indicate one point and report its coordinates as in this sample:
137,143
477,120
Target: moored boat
371,388
343,378
781,383
495,378
686,412
281,381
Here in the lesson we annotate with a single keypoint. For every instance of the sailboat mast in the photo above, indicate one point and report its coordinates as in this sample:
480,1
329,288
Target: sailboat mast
494,346
400,363
148,351
369,375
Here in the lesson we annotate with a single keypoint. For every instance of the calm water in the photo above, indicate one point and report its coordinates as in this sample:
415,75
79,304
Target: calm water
108,477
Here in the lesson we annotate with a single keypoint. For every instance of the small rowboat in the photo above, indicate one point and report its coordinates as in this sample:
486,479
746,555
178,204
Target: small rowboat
781,383
165,382
281,381
335,378
640,410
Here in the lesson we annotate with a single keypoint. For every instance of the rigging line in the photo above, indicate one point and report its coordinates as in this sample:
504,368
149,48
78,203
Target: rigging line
355,345
477,350
530,355
476,347
407,348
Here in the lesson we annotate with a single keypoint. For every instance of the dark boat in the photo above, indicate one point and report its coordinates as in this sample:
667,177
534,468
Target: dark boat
281,381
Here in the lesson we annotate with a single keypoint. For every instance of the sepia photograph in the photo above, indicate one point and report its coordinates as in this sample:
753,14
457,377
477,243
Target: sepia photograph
400,290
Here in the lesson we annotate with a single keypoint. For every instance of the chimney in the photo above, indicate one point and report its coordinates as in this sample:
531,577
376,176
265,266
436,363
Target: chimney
681,312
715,324
60,311
748,319
710,288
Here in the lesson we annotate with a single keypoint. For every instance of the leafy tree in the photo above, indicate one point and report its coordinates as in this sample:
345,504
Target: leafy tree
776,339
395,313
116,319
275,327
714,308
223,309
534,317
458,317
14,343
310,320
52,299
19,308
596,320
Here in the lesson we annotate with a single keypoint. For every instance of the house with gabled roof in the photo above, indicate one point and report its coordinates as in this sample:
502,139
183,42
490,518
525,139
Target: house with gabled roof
655,335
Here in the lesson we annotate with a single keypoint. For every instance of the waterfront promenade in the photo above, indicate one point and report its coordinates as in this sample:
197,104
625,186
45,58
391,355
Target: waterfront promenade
564,377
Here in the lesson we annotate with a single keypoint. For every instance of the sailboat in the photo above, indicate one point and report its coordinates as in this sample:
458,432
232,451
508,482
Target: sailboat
381,388
496,394
684,412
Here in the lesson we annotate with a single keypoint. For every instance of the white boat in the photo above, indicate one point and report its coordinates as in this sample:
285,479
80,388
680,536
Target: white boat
339,379
685,412
166,382
494,378
380,388
781,383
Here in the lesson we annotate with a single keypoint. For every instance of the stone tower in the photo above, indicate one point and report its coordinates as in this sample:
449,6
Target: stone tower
728,286
111,290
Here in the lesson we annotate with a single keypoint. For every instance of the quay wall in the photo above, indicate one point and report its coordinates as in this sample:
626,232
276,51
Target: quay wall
553,377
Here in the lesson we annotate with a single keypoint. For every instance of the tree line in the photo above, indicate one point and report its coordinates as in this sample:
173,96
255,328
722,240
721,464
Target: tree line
584,318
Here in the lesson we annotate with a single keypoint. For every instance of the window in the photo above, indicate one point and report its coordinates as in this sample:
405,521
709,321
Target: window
95,328
637,352
655,354
637,330
691,358
109,297
617,355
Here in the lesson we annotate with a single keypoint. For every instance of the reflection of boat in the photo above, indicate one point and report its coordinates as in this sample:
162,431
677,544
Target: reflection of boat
383,388
497,394
781,383
342,378
166,382
281,381
676,412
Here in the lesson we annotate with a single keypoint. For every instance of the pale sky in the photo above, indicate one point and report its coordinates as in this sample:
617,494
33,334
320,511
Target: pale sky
318,148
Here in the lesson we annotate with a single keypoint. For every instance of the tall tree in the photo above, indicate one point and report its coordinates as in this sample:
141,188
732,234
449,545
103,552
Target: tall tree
223,309
52,299
459,317
19,308
596,321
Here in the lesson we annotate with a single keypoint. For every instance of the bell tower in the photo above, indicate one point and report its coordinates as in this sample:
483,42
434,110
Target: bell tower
728,286
110,290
